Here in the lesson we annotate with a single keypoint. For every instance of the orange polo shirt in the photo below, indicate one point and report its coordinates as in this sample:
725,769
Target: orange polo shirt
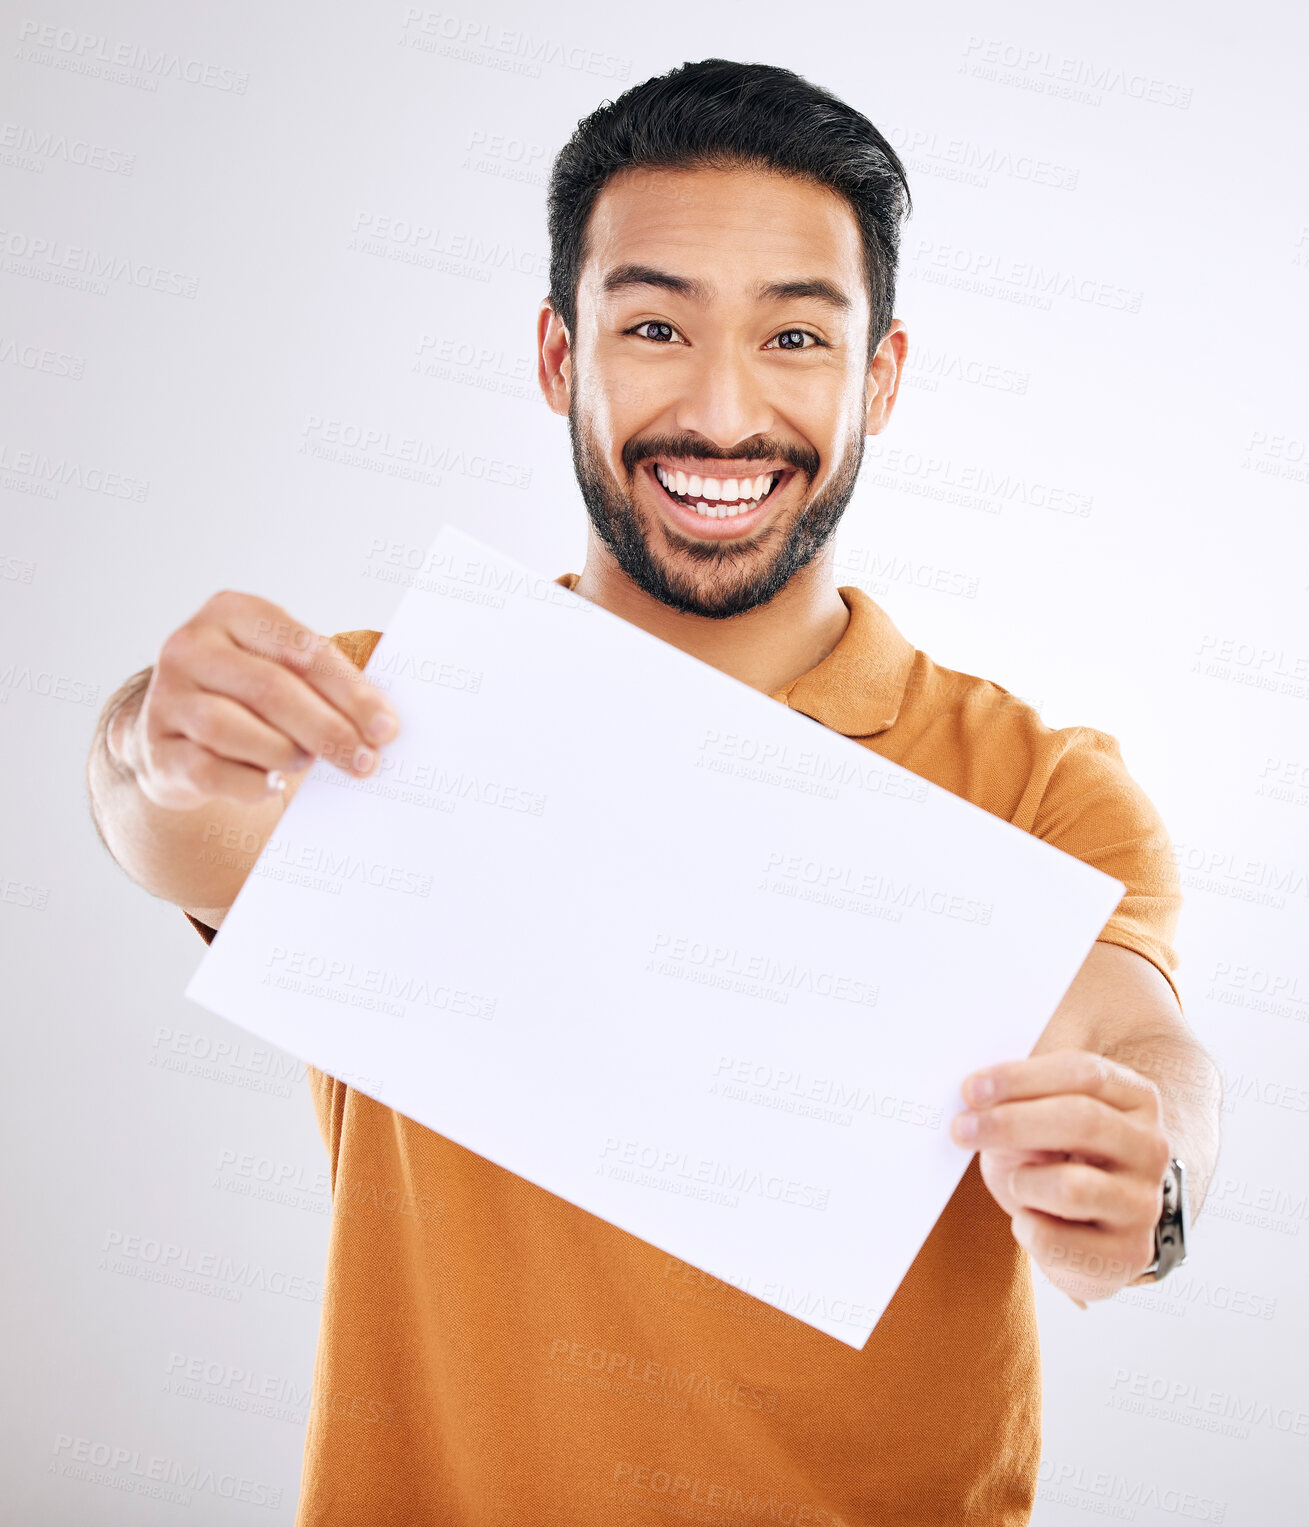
491,1354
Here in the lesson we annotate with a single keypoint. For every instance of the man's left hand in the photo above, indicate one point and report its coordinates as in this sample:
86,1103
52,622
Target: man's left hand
1073,1149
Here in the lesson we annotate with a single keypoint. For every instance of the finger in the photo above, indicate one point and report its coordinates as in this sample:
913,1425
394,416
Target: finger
1073,1123
230,730
1072,1190
266,629
1062,1071
275,695
1083,1261
184,775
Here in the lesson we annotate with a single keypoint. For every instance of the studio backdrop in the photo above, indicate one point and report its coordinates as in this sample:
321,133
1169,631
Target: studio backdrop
269,280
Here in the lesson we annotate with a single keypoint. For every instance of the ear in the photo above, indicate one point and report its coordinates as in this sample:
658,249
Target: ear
554,359
884,375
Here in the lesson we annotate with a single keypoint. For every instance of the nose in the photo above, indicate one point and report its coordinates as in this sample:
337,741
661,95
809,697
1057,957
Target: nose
723,398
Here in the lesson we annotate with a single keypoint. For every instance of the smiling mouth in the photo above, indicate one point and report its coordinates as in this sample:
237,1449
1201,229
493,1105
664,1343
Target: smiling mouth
717,498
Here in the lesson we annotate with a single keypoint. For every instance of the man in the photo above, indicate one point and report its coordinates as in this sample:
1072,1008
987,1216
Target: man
719,334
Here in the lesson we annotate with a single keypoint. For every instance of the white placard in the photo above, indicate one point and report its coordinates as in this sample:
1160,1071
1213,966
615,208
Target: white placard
644,936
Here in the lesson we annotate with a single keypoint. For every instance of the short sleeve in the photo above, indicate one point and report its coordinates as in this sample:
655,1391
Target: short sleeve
1092,808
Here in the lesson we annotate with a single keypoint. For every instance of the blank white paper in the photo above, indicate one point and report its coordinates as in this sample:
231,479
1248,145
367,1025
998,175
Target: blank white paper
653,941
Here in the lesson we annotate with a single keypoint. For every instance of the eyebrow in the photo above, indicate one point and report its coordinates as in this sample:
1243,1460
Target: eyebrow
646,275
815,290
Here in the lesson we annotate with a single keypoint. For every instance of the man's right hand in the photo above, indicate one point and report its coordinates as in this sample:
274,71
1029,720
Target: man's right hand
241,689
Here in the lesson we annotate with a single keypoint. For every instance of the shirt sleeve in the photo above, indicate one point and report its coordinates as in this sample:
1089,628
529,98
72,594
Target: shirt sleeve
1092,808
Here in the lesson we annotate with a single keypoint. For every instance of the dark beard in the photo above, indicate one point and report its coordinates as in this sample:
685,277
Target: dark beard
743,578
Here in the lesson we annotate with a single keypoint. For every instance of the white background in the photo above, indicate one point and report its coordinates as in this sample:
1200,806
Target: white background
1105,283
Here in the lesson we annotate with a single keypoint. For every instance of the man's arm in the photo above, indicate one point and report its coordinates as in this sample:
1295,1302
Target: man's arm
178,771
1075,1139
1121,1007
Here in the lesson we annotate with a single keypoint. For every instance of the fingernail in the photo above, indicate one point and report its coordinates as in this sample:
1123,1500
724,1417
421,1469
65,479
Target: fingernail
276,781
965,1126
363,760
381,727
980,1089
302,760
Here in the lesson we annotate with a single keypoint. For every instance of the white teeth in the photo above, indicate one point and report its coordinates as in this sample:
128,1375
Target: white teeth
716,498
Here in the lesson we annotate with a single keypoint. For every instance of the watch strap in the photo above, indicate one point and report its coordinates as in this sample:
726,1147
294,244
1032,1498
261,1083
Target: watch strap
1170,1234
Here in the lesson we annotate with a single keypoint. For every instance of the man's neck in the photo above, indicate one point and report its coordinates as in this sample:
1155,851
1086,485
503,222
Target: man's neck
767,647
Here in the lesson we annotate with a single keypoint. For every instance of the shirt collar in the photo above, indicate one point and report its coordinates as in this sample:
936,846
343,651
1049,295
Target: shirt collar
858,688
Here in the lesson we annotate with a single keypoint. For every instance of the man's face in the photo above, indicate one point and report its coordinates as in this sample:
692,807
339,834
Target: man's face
717,380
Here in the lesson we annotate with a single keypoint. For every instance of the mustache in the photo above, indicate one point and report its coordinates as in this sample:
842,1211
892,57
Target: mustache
757,448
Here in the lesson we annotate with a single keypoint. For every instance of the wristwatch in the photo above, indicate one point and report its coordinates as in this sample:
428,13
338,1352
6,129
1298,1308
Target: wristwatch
1173,1228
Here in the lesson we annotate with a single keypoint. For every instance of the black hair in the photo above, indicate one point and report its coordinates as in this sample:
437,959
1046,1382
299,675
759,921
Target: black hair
719,114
